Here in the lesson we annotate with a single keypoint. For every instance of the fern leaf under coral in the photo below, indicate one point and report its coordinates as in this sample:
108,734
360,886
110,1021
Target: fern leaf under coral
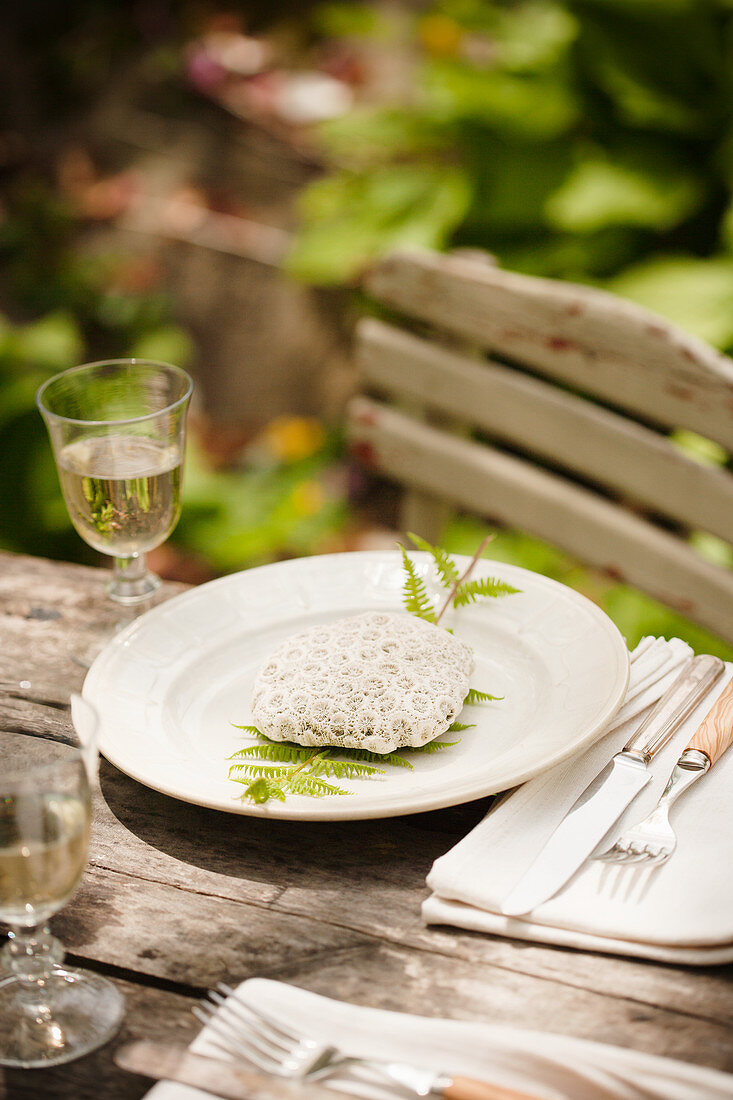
432,746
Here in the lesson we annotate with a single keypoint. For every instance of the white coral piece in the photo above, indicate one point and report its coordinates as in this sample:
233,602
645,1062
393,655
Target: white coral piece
377,681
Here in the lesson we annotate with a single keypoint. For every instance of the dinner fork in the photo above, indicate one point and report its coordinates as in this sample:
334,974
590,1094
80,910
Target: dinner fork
245,1032
652,841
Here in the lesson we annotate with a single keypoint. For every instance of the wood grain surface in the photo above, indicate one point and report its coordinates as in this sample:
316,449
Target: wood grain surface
177,897
715,733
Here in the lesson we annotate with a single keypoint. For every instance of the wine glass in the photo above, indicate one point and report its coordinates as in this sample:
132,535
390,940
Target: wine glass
49,1013
117,430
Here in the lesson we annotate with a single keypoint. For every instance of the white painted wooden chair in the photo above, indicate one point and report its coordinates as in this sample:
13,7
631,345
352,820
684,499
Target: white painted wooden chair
561,430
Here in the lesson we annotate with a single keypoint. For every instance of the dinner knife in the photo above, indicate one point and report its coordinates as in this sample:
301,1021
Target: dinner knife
607,796
235,1081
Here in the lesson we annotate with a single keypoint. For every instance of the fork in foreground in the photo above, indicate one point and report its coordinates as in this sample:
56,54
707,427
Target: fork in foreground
653,840
244,1032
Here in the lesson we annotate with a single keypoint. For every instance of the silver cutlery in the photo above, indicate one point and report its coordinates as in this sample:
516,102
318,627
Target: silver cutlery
652,841
608,795
245,1032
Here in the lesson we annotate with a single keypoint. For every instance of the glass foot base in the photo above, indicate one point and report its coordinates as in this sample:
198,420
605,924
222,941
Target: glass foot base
86,647
72,1013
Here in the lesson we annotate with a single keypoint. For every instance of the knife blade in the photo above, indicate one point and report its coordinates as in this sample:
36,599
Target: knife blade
234,1081
607,796
231,1080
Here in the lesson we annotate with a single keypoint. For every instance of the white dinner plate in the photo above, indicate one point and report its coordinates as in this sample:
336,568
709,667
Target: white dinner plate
170,686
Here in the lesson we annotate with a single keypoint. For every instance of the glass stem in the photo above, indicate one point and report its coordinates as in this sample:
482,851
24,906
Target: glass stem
31,954
131,582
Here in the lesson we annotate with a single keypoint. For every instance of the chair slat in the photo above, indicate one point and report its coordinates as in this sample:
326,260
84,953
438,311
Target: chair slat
513,492
590,339
544,420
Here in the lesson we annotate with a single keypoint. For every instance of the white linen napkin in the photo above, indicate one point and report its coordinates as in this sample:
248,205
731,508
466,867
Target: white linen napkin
550,1066
679,912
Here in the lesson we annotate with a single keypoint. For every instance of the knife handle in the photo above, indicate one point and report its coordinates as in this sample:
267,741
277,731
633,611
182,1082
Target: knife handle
466,1088
698,676
715,732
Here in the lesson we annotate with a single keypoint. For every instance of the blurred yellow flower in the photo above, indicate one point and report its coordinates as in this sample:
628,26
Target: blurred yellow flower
289,438
440,35
307,498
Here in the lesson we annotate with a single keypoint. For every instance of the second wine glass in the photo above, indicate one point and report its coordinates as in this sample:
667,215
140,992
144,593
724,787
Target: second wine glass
49,1013
117,429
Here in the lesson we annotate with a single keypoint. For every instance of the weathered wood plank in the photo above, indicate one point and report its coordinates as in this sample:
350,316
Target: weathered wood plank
46,607
162,842
600,343
541,419
230,942
147,928
516,493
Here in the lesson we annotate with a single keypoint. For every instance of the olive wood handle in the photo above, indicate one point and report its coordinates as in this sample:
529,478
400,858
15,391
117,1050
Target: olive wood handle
715,732
466,1088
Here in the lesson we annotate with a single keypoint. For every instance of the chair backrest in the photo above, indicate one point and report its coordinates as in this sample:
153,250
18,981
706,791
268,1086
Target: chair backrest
562,430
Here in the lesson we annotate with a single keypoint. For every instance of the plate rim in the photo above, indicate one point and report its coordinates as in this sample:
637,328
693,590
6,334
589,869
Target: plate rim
318,809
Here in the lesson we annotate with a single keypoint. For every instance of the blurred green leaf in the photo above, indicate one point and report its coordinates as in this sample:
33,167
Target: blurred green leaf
367,135
703,450
360,216
534,36
662,64
167,344
52,343
602,192
353,20
513,183
696,294
524,106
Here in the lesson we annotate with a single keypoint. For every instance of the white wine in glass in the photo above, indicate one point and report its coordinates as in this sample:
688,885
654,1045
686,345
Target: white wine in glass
117,429
49,1013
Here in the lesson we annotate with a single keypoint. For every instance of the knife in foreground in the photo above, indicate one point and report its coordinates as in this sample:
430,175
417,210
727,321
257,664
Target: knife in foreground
605,799
235,1081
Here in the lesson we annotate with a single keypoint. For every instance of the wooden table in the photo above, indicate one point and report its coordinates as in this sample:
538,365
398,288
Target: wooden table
176,898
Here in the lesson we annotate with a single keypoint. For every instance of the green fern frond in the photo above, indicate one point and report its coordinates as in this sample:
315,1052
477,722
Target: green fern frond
459,727
240,773
447,569
414,595
486,586
251,730
345,769
475,697
373,757
261,790
283,751
432,746
312,786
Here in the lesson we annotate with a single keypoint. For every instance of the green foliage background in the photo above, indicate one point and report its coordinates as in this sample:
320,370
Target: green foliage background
583,139
580,139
